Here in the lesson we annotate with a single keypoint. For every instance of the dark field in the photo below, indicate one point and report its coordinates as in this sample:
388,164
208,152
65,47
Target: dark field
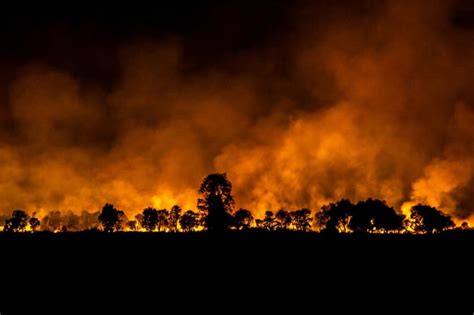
198,270
287,246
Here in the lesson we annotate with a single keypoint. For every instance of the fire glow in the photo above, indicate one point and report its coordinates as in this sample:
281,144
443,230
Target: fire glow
374,105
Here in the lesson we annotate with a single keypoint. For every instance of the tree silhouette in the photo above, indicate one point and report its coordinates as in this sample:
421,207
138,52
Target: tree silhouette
217,202
149,219
111,218
361,218
162,216
17,222
283,220
301,219
429,219
53,221
242,219
374,215
132,225
189,221
385,218
34,223
268,223
334,218
173,218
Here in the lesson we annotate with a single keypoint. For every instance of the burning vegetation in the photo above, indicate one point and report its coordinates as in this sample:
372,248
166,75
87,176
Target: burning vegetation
314,102
216,215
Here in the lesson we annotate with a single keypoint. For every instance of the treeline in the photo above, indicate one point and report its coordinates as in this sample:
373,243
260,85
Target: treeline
216,214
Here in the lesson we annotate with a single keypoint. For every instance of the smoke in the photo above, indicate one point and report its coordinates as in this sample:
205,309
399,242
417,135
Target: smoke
56,221
399,126
357,100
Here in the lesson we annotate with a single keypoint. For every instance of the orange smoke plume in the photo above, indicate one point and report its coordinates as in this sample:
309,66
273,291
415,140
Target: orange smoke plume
375,102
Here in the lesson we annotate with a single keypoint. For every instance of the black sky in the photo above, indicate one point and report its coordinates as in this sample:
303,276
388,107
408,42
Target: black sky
82,37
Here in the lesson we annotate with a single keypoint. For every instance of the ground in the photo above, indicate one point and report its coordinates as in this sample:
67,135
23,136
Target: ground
291,268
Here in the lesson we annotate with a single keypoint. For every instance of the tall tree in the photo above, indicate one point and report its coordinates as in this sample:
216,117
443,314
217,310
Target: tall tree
217,202
426,219
111,218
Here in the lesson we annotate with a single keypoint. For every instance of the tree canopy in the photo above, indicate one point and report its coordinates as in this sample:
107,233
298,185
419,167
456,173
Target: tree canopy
17,222
217,202
426,219
111,218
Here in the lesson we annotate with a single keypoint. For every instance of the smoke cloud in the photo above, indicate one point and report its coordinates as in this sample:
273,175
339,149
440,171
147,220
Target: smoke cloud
366,99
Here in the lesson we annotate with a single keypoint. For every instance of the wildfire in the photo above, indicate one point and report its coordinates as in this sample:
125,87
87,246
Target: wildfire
375,104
